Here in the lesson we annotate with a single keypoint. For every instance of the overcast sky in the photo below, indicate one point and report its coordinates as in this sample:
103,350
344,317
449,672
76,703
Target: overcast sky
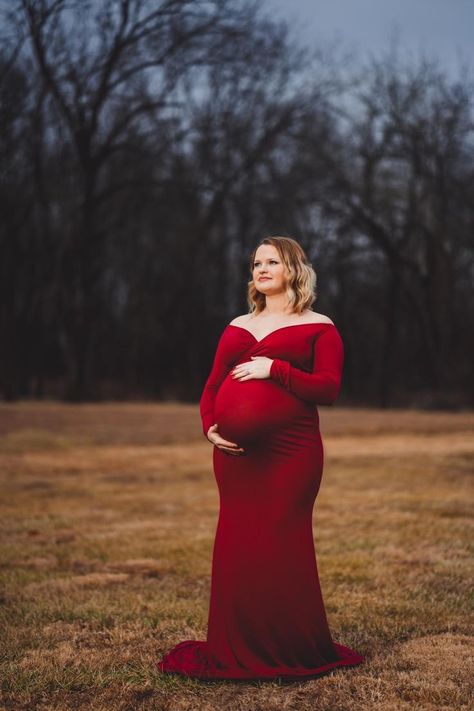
442,28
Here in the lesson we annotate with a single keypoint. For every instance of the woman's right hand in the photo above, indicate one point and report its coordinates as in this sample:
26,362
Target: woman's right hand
228,447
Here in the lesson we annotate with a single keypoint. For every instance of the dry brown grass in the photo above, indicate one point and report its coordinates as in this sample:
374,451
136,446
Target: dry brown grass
108,518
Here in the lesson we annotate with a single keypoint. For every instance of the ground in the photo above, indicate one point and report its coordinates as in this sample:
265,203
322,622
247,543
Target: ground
108,515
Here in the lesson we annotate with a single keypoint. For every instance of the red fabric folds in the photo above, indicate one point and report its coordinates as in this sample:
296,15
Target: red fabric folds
267,617
322,385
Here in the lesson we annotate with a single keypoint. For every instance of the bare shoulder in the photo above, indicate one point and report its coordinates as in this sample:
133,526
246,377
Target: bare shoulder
240,320
319,318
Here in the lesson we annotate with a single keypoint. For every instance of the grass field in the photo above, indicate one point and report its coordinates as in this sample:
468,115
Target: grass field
108,515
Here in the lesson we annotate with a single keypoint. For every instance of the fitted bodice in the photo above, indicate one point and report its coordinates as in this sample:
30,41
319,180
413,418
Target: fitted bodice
306,369
294,344
253,410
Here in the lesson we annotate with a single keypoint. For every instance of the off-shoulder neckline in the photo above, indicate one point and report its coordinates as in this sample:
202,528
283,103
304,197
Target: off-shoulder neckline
290,325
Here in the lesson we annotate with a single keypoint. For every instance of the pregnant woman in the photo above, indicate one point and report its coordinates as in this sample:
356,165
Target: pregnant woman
272,367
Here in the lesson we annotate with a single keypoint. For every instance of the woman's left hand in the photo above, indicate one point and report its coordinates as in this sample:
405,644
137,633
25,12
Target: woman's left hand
258,367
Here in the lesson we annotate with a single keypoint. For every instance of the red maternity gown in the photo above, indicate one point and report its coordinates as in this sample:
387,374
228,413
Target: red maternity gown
266,613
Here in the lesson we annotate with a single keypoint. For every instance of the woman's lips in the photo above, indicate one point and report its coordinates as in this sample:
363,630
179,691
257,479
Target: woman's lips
265,279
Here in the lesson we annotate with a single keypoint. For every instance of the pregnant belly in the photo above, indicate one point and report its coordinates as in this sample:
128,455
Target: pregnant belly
254,409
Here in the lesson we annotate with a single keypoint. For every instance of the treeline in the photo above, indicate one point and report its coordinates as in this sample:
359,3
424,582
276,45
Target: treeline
146,146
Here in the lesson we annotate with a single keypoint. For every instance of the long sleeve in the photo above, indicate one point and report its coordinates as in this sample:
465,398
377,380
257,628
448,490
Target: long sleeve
322,385
219,370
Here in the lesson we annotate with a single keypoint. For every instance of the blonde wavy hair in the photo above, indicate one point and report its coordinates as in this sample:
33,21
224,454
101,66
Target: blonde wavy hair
300,277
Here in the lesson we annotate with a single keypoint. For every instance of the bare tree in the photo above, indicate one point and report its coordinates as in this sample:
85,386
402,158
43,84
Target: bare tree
112,74
402,176
147,146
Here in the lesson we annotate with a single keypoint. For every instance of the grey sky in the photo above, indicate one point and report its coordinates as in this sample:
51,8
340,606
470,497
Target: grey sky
442,28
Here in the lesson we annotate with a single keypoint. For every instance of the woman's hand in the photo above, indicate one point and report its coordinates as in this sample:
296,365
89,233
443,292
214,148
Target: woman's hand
228,447
258,367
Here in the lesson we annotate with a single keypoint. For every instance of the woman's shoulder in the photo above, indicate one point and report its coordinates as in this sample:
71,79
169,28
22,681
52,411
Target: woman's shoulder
240,320
314,317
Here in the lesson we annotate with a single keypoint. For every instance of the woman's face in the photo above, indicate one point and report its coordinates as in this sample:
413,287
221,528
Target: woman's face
268,270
